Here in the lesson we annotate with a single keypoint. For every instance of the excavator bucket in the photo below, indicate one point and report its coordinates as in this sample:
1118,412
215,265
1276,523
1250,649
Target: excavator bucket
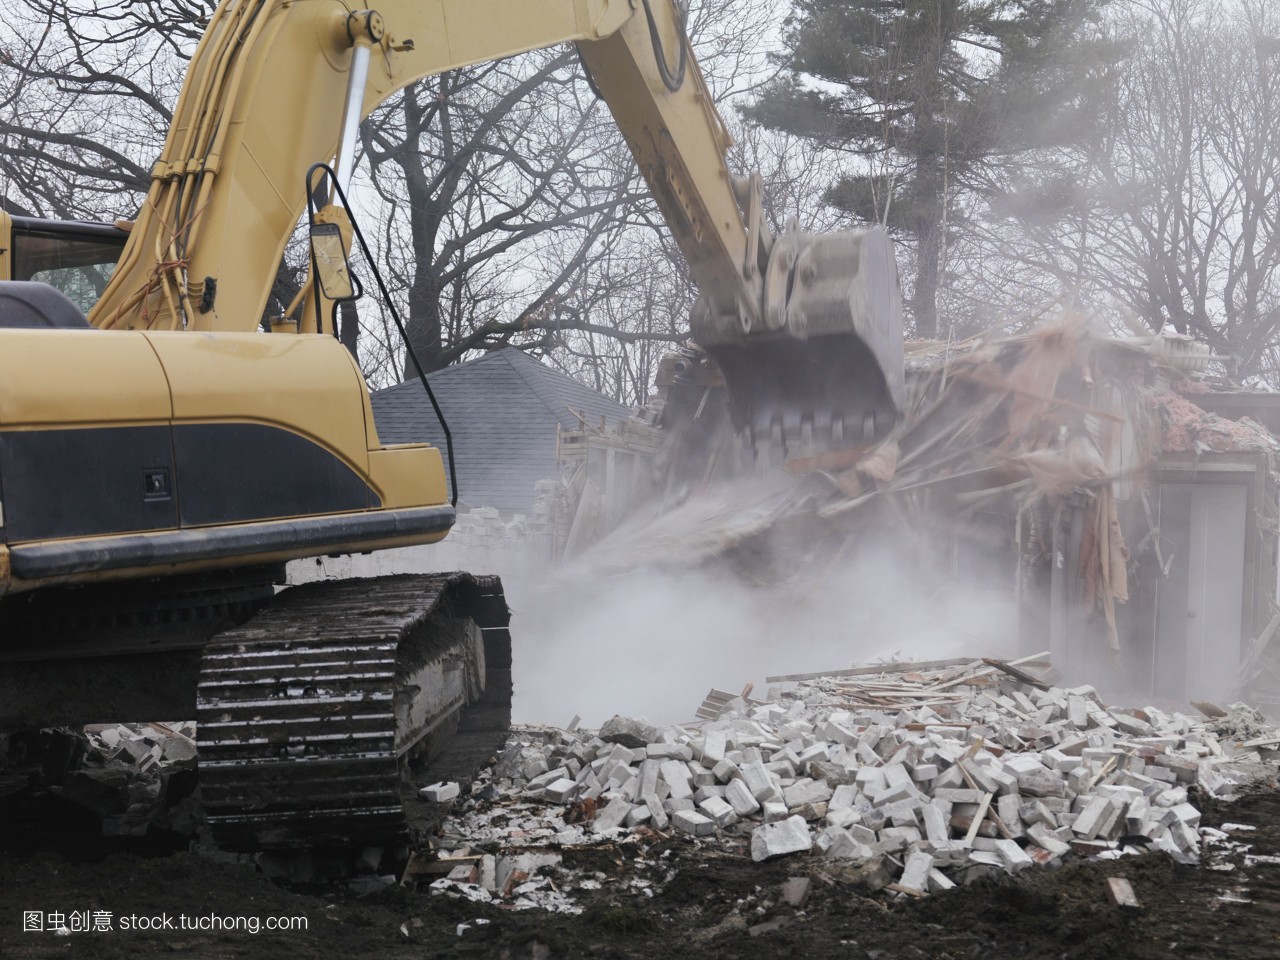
823,368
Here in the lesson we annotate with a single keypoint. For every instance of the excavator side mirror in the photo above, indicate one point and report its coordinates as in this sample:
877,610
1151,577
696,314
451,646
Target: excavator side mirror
329,254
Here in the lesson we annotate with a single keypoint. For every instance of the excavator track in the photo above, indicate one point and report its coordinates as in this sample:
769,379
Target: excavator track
318,718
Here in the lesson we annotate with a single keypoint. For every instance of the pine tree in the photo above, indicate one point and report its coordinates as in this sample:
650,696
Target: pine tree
927,96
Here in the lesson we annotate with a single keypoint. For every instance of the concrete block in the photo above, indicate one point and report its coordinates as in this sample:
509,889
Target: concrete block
935,823
903,813
806,791
674,805
714,743
910,834
1188,814
691,822
488,873
1056,805
1186,837
629,732
441,792
703,792
810,811
779,838
870,779
1007,808
725,770
916,870
862,833
845,846
1044,838
1030,762
843,796
617,774
832,774
953,795
639,814
775,811
782,769
1006,782
718,810
560,791
815,752
657,812
669,751
740,798
676,776
950,779
839,733
896,774
1116,791
1012,857
938,881
1041,785
890,844
760,782
866,755
843,816
612,816
1112,824
1130,724
892,794
549,777
700,775
1091,819
795,892
1170,797
1184,768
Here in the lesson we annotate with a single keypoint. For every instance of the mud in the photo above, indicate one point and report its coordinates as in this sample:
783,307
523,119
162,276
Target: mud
712,903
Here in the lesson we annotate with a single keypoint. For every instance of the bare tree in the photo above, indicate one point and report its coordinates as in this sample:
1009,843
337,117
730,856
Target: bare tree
479,171
1172,214
85,89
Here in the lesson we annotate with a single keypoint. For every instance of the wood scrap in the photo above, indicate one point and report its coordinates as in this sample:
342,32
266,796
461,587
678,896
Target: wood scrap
1017,674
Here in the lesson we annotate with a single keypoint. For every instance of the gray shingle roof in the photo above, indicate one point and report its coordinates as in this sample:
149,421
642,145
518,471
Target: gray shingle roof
502,409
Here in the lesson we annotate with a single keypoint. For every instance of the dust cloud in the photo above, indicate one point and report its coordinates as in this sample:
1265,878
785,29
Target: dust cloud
608,635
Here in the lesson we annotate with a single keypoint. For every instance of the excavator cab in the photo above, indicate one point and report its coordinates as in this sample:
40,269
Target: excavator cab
74,257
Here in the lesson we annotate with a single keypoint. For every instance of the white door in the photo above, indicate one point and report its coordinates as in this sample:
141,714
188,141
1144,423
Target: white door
1199,614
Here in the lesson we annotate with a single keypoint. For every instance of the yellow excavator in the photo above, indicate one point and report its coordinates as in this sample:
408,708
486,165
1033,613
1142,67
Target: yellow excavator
161,457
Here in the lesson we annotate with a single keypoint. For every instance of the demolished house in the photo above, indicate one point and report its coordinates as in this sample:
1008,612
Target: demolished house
1125,495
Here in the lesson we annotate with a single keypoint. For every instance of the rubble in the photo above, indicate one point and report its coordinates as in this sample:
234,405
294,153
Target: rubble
122,772
923,775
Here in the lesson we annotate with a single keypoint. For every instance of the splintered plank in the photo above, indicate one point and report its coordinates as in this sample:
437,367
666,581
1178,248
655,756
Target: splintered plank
873,670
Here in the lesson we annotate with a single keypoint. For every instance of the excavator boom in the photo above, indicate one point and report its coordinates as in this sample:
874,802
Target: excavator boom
806,329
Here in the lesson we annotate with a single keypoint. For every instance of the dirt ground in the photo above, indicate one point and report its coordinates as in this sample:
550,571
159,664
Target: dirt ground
707,902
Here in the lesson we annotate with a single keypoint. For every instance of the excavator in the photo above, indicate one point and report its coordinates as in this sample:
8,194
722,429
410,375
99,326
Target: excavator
162,455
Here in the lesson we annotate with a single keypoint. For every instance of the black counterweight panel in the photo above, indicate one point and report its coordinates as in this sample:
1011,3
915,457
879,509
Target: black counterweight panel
229,472
86,482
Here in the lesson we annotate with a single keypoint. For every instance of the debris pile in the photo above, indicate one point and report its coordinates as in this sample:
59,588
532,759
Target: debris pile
125,772
1189,429
925,775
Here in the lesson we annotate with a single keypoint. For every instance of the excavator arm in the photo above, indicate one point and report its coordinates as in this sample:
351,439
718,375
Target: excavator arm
215,446
806,329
